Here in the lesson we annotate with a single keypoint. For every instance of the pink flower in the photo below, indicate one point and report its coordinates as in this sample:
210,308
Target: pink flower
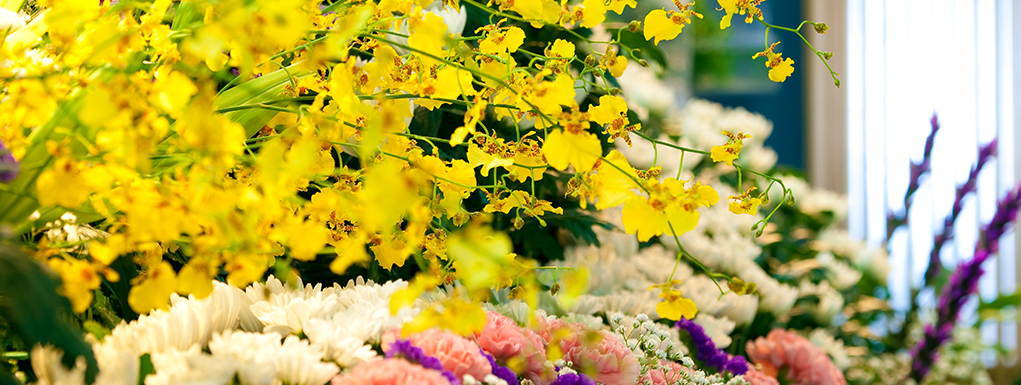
755,377
807,363
457,354
598,353
669,374
505,340
394,371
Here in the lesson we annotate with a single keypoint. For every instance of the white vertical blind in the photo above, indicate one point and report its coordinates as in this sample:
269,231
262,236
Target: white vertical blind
907,60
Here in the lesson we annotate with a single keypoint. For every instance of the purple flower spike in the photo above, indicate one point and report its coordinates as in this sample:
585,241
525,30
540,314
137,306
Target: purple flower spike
9,167
963,283
573,379
706,351
501,372
935,266
918,170
415,355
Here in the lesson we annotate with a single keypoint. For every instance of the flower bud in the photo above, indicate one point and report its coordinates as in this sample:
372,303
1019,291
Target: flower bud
643,63
591,61
634,25
616,91
555,289
790,199
826,54
821,27
518,223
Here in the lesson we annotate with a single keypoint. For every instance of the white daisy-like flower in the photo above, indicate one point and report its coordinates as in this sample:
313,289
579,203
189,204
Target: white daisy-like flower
47,366
190,366
188,322
830,301
285,310
299,363
343,339
254,353
839,273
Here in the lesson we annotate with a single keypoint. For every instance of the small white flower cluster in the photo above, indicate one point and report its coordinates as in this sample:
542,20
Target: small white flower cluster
67,230
869,260
959,362
812,201
646,338
251,335
654,343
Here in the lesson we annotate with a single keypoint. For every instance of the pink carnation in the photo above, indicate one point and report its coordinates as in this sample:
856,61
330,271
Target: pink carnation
599,354
755,377
457,354
807,363
669,374
504,339
396,371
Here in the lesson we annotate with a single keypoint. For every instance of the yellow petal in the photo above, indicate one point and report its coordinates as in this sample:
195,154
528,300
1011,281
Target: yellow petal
563,148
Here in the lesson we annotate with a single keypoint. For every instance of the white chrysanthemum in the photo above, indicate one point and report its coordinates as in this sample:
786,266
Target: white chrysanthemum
253,351
190,366
871,260
657,264
47,366
832,346
830,301
757,157
284,310
706,296
344,337
738,119
188,322
718,329
631,302
809,200
840,274
642,88
299,363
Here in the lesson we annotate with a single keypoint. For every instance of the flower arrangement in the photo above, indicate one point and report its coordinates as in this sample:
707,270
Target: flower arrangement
467,188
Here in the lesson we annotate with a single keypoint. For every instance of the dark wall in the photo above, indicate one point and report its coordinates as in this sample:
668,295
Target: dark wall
724,73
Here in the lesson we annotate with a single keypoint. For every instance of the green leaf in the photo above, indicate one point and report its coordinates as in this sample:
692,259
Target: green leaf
145,368
1001,302
30,304
6,375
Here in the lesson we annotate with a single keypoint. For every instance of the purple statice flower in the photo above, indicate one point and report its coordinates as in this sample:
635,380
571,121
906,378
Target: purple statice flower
573,379
984,153
963,283
918,170
501,372
414,354
9,167
706,351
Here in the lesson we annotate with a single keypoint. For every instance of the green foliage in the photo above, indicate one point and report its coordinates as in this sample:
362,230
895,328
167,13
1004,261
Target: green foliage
29,303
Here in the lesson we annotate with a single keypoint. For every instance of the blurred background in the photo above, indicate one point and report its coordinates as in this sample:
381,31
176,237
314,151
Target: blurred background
900,62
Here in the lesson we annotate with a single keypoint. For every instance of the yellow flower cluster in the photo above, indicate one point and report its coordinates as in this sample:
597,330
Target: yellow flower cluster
221,138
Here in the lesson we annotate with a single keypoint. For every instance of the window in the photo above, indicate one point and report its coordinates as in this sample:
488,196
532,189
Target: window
906,60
